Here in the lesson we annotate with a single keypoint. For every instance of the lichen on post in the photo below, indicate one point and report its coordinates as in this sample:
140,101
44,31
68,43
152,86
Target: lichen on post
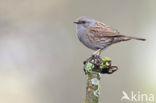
93,68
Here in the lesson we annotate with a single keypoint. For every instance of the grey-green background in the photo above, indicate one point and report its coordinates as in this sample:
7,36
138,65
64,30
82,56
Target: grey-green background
41,57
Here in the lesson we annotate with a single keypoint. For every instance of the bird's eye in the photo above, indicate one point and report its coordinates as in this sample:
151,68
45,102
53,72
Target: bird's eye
83,22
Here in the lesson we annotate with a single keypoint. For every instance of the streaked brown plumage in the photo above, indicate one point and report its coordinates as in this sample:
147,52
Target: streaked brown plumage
97,36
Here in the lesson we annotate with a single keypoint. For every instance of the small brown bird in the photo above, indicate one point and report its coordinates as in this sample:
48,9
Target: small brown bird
98,36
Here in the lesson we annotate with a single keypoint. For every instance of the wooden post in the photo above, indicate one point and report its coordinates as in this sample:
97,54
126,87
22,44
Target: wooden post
94,67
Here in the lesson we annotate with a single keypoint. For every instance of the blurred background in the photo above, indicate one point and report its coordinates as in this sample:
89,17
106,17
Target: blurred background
41,58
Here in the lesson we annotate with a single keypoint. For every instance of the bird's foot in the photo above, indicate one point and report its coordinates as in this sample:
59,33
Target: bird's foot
95,59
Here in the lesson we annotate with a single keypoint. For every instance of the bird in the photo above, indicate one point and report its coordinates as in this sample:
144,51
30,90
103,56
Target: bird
97,35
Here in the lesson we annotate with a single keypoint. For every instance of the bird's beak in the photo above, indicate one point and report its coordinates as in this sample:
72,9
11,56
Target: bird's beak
76,22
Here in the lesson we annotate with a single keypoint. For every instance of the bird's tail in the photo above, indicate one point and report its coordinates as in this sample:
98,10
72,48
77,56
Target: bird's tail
119,38
136,38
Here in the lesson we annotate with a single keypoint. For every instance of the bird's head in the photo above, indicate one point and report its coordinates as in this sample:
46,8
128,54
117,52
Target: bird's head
84,22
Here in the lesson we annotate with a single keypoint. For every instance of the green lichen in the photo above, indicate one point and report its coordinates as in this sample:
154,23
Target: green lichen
89,67
106,59
95,81
93,87
93,70
96,93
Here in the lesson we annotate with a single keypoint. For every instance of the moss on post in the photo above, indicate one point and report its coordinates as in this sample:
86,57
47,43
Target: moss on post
94,67
93,87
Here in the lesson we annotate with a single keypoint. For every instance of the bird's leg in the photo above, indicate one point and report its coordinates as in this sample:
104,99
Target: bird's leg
95,56
97,52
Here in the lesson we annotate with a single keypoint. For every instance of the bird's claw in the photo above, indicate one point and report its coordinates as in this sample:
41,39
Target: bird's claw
95,59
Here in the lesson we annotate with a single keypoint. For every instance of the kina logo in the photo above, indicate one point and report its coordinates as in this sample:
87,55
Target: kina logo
137,97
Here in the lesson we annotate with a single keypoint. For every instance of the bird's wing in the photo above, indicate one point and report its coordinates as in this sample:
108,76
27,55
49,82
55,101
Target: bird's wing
102,30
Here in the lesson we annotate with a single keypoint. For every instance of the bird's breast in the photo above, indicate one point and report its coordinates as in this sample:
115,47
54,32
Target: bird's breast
84,38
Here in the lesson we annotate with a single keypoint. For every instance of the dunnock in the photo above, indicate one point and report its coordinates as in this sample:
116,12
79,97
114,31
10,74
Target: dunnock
98,36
